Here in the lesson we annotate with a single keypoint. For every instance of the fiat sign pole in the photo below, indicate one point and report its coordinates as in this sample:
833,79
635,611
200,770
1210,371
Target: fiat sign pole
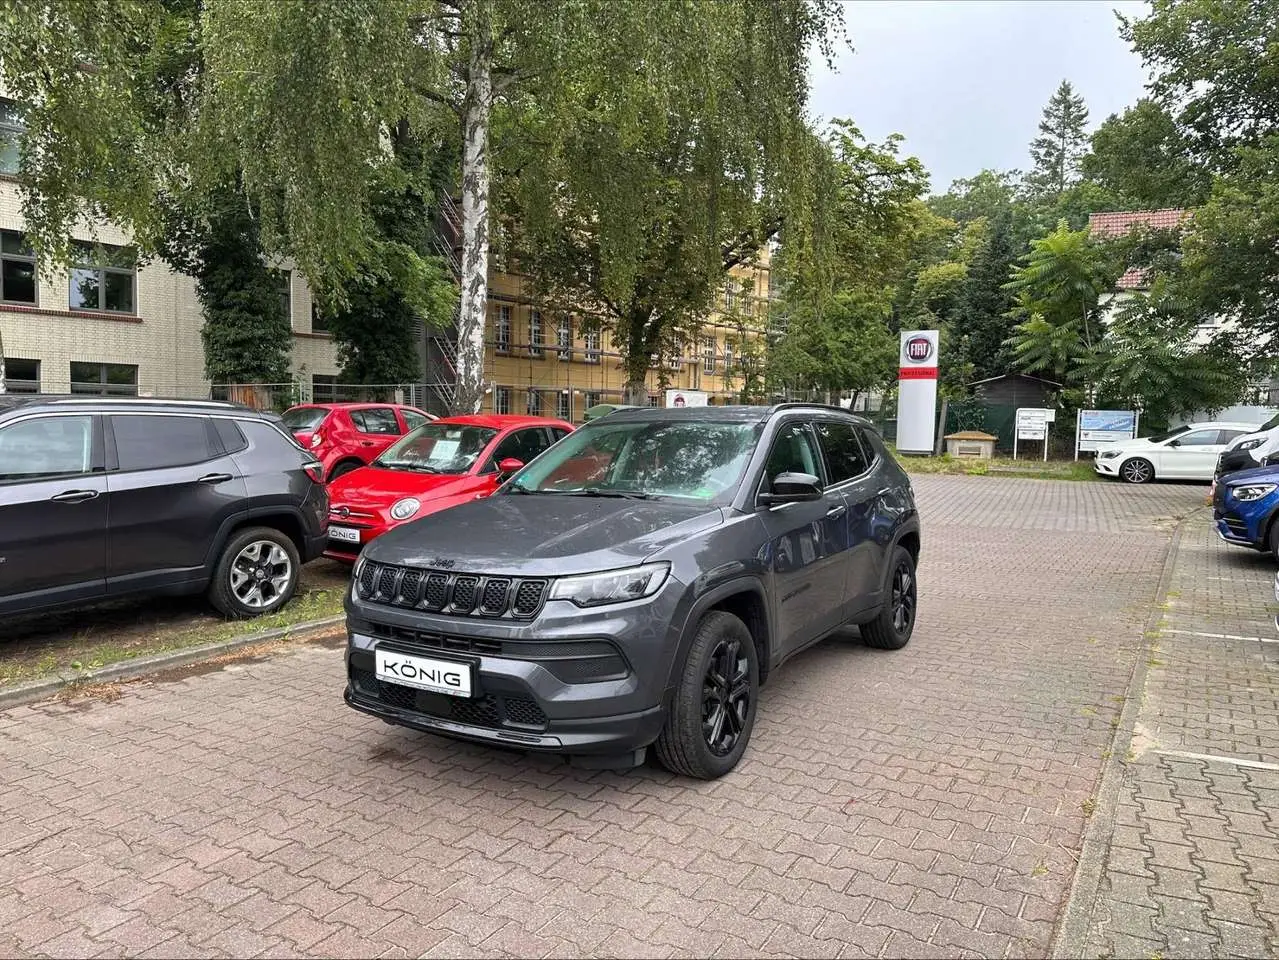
917,392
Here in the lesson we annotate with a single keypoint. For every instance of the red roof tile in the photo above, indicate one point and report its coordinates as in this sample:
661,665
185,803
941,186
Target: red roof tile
1117,223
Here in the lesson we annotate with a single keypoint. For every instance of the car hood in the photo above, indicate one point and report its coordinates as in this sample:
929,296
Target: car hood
1243,478
543,535
372,489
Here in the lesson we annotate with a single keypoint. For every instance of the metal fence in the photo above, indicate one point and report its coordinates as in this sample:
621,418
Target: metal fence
281,396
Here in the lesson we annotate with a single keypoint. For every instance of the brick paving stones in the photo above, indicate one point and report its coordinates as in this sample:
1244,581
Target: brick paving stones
1191,868
925,802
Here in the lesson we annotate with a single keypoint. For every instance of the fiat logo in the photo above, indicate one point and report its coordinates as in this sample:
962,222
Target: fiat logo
919,349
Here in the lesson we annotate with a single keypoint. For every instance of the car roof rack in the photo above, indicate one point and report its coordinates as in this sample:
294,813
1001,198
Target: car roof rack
800,405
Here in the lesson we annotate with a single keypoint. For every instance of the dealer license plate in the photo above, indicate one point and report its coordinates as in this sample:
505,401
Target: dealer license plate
424,673
345,534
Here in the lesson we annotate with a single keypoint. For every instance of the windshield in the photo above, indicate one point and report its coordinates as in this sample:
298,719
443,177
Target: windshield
304,418
438,448
1161,437
1269,424
643,458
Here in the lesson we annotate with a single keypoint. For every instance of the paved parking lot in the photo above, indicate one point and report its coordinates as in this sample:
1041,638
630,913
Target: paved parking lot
928,802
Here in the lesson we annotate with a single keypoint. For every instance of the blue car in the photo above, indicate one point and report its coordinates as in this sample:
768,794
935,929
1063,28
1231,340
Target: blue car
1245,506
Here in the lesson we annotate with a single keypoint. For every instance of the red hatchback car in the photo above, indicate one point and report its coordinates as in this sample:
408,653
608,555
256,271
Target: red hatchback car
438,465
344,436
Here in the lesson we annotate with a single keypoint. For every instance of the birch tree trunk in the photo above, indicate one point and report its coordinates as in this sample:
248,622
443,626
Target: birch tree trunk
473,305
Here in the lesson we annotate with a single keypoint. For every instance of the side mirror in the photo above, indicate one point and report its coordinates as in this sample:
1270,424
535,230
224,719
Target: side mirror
792,488
509,466
1174,443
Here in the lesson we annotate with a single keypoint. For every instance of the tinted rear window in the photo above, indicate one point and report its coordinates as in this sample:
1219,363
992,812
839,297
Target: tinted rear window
153,442
304,418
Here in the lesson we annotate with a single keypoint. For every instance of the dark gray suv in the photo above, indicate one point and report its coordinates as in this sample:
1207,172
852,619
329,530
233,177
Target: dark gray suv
636,584
110,497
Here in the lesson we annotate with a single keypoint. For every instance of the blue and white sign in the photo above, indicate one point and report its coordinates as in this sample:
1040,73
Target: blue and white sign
1098,428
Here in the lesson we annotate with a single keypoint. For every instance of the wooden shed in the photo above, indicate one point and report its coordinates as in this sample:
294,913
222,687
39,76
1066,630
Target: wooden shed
1017,390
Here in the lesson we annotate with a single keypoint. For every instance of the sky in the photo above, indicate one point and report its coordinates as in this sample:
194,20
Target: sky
965,81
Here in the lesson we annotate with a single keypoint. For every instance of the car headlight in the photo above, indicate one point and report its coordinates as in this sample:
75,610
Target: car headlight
1251,444
403,509
1108,454
614,586
1253,492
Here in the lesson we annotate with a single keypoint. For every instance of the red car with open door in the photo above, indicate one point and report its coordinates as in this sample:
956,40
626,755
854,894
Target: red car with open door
436,466
344,436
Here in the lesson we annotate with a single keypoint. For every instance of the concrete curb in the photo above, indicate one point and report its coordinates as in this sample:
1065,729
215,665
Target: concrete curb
141,666
1072,932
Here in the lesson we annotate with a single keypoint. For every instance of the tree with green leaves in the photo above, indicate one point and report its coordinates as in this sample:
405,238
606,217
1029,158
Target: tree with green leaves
1057,289
842,327
1142,158
1215,70
531,86
1062,142
983,304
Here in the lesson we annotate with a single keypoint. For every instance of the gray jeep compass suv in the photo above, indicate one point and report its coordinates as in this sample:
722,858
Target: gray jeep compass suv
104,497
636,584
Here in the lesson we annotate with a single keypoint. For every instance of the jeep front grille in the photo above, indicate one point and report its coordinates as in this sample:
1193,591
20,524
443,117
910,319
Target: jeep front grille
460,594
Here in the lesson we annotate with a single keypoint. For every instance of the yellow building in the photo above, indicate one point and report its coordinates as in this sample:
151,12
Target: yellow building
548,365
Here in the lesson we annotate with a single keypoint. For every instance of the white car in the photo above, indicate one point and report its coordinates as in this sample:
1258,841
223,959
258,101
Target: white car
1251,449
1187,453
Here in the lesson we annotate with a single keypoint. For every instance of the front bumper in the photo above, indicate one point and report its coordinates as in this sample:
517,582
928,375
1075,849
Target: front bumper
1235,531
1107,468
569,681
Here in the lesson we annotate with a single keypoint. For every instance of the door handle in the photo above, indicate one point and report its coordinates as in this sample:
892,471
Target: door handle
74,496
216,478
366,443
836,511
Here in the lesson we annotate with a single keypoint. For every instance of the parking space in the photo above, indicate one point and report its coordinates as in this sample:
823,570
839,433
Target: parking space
924,802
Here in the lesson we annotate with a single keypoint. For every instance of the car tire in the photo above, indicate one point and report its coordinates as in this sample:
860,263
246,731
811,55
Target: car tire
1137,470
892,627
256,574
343,468
1274,538
709,723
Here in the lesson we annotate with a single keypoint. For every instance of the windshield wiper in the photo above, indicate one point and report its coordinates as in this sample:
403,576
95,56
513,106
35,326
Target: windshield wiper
606,492
406,465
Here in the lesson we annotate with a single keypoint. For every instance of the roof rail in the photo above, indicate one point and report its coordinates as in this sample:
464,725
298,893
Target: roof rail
800,405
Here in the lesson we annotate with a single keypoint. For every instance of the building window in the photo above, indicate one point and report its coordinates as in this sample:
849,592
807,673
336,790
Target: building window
18,276
564,405
730,295
592,342
652,399
592,399
105,379
565,337
501,399
21,376
728,359
103,278
708,355
284,285
503,329
533,403
11,130
319,322
535,333
324,388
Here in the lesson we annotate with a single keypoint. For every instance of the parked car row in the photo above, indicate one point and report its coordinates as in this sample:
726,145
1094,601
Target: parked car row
592,592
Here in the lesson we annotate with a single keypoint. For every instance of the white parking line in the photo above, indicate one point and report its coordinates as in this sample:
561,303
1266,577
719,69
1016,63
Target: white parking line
1221,636
1236,761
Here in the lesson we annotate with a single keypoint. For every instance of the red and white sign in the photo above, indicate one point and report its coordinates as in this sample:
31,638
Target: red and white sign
917,391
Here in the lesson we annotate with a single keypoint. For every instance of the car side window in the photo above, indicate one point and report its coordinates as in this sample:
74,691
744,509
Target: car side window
413,420
845,458
523,445
377,420
153,442
794,451
1199,438
558,434
1229,436
46,447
